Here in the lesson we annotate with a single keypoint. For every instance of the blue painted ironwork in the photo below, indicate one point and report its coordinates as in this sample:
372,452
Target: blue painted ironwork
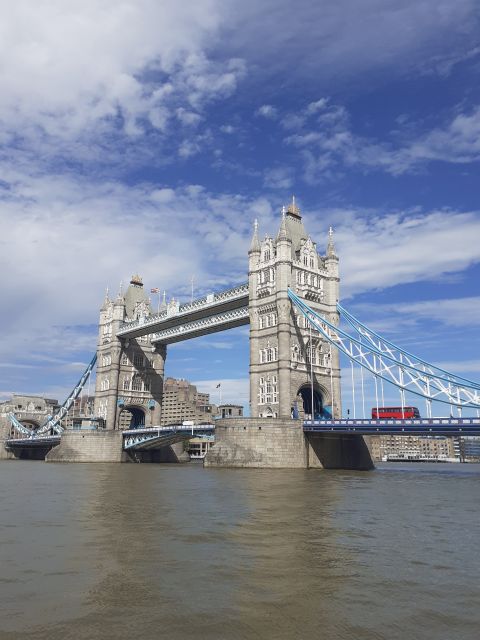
393,350
35,442
156,437
413,427
53,423
384,364
18,426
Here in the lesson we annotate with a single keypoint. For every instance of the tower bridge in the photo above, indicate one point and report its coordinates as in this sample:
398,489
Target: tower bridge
291,303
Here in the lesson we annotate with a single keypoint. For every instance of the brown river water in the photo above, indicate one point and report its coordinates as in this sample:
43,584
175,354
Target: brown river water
177,551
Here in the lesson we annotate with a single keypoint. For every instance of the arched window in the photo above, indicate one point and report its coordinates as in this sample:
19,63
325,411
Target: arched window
136,382
126,384
106,360
124,359
105,384
266,255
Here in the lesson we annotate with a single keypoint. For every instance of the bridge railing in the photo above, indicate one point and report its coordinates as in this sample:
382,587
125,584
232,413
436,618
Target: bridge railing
395,421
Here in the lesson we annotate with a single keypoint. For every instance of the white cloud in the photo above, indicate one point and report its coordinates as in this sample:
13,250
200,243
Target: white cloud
278,178
378,251
456,312
337,43
72,66
267,111
323,134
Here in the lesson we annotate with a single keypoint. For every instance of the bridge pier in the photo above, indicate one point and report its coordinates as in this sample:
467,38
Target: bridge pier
89,446
338,451
281,443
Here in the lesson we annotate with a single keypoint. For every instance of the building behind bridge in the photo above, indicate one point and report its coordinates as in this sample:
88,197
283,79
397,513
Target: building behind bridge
415,448
182,401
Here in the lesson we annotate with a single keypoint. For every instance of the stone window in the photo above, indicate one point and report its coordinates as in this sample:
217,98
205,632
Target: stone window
126,384
136,382
105,384
269,354
124,359
138,359
106,360
268,391
266,255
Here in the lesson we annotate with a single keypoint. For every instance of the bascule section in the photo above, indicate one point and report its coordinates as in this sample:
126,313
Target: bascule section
293,370
130,369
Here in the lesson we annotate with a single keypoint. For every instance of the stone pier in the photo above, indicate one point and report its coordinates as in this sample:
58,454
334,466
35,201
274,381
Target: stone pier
281,443
89,446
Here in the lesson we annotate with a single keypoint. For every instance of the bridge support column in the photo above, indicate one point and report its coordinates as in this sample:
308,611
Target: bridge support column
338,451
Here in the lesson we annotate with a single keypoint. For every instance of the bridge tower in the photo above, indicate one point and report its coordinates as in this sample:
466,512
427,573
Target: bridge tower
130,372
290,364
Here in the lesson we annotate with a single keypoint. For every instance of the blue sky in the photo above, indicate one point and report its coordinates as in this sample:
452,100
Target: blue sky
145,137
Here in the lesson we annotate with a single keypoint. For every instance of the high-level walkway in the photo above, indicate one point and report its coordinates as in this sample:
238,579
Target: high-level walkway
212,313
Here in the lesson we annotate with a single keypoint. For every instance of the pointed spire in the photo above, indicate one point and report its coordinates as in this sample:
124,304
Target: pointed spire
292,209
282,232
255,244
120,291
164,300
330,247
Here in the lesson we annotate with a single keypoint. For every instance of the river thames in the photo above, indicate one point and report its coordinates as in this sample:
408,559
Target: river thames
177,551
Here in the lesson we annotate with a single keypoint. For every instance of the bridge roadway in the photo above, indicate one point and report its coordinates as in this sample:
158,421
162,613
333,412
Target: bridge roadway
413,427
212,313
157,437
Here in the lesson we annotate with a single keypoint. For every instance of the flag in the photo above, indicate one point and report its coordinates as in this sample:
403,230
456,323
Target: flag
155,290
218,385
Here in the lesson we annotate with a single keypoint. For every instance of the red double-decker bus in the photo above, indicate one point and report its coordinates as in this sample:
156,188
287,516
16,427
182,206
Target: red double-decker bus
400,413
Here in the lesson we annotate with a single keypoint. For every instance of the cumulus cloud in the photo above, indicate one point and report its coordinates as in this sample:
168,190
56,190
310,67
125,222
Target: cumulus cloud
123,64
409,247
267,111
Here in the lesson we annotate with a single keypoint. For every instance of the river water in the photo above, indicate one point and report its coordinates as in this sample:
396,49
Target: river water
177,551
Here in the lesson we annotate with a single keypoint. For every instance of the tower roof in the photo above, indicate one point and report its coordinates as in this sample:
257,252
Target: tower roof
295,231
255,243
134,294
330,246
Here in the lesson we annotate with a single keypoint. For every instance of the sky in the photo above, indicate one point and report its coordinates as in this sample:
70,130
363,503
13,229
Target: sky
146,137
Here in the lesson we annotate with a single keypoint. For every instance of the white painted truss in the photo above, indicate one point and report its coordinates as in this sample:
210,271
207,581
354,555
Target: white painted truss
390,363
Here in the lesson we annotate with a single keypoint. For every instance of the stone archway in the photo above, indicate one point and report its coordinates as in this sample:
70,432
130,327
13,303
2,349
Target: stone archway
304,396
131,417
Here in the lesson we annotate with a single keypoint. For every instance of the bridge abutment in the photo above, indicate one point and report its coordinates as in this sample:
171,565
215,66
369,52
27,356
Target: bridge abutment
89,446
281,443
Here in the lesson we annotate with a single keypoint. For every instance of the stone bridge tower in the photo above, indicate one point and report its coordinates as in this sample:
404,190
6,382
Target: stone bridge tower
129,385
291,364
